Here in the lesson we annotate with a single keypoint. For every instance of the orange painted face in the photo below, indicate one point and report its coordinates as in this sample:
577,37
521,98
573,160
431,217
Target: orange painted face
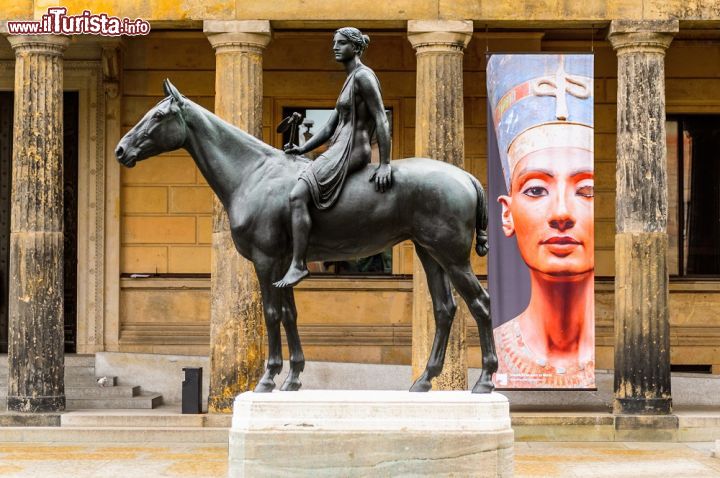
550,209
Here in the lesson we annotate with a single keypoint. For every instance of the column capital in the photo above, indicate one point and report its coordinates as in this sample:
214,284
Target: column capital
642,36
44,44
238,35
439,35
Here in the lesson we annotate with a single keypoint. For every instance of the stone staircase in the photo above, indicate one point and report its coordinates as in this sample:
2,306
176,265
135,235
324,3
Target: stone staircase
82,391
165,424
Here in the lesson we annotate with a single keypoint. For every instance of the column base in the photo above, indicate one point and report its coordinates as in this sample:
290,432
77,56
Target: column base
656,428
220,405
642,406
36,404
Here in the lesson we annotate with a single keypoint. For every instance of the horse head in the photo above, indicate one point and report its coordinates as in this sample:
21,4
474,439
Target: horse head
162,129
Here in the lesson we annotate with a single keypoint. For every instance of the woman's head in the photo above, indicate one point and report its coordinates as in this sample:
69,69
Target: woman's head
550,210
349,42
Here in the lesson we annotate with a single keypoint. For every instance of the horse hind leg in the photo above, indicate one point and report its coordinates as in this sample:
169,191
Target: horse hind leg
297,358
478,301
444,309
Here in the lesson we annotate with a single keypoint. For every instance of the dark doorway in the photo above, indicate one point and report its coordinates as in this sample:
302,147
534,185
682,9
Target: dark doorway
70,125
694,194
71,121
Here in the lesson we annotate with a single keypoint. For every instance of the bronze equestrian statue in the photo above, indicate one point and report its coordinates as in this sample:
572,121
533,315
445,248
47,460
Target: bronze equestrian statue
436,205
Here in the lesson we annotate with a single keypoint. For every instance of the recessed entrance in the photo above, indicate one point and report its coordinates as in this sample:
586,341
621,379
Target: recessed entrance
70,138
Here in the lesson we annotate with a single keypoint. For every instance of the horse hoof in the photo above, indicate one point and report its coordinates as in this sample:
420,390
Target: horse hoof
265,387
291,386
483,387
421,386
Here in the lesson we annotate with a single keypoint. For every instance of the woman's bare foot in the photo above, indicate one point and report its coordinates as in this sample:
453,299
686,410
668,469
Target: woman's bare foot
292,277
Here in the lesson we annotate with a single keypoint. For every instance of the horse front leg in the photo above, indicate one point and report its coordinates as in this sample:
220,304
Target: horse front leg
271,308
297,358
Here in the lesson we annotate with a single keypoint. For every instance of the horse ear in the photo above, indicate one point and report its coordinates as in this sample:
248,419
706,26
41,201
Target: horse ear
170,90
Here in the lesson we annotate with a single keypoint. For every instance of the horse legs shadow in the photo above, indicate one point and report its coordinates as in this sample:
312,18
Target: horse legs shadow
279,307
444,309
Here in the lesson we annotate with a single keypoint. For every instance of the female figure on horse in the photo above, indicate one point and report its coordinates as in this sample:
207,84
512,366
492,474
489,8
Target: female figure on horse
359,113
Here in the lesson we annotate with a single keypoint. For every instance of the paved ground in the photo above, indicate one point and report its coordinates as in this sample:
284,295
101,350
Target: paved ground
532,460
615,459
112,461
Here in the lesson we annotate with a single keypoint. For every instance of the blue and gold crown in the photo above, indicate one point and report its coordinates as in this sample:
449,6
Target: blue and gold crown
540,101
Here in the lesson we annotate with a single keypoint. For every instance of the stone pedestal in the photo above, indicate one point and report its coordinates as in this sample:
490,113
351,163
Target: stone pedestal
642,324
236,318
36,326
324,433
439,134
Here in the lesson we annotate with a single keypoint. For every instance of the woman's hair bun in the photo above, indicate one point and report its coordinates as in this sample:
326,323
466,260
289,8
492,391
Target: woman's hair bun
366,39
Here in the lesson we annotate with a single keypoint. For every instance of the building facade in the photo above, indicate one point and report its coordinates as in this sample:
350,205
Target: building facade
148,238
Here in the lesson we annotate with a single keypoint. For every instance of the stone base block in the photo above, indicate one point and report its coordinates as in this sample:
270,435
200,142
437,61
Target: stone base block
330,433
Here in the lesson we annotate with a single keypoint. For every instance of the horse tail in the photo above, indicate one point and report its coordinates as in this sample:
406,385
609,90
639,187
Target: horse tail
481,218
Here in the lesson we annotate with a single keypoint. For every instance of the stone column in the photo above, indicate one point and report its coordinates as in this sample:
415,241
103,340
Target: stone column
112,61
439,134
36,346
642,327
237,355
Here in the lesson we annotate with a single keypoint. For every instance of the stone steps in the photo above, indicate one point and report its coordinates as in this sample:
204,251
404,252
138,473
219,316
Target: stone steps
83,392
94,391
114,435
138,419
162,425
144,400
122,391
693,425
73,372
167,424
76,381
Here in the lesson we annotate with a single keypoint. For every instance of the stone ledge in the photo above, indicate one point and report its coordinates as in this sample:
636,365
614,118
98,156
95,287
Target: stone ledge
11,419
390,283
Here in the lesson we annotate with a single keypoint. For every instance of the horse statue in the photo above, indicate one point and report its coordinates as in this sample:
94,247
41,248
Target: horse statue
436,205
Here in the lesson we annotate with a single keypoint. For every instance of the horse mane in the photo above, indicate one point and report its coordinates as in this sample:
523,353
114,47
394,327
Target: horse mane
240,135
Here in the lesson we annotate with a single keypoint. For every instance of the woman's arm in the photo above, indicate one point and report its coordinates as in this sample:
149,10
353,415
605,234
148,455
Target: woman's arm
318,139
370,91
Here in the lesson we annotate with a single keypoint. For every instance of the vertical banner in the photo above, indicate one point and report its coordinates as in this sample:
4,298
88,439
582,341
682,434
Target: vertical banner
541,231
